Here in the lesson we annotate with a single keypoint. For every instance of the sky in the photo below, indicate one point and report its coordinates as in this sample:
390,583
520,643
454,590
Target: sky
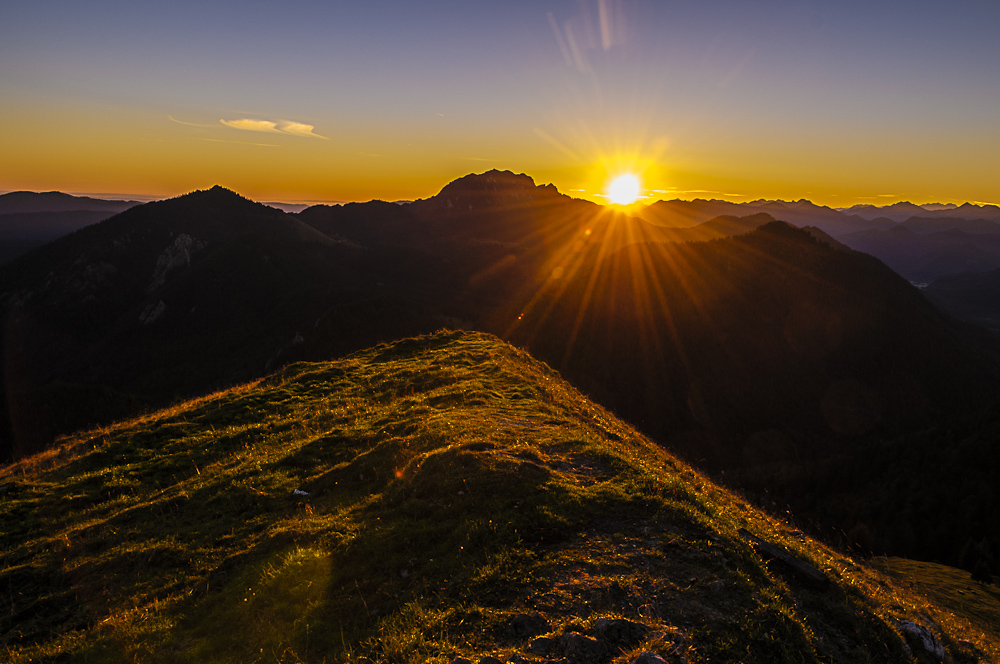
844,102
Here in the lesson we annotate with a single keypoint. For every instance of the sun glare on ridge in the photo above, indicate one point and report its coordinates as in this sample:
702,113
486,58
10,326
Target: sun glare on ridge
624,189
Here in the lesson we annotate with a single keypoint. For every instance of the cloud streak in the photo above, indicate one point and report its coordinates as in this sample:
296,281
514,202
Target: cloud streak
288,127
189,124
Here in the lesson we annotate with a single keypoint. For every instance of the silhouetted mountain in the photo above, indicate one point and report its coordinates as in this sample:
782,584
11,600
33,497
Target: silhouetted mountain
495,207
902,211
208,289
493,191
929,219
174,298
56,201
483,245
685,214
972,211
29,220
723,226
806,213
897,212
750,334
837,226
826,238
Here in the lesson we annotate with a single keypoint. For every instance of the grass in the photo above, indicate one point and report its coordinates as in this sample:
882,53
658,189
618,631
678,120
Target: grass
951,588
451,483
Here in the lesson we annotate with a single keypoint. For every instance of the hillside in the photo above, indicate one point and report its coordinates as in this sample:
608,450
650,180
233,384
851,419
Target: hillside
951,588
436,497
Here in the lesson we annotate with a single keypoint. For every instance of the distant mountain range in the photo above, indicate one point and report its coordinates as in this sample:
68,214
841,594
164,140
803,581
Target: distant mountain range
22,202
949,239
29,219
772,354
924,257
921,243
899,212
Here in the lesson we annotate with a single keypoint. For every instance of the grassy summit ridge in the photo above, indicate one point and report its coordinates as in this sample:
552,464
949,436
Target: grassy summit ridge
462,499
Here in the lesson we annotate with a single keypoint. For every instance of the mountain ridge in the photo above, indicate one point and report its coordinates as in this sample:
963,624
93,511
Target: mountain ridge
418,501
57,201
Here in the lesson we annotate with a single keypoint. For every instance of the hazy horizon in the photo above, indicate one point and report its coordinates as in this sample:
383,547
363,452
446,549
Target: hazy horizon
646,199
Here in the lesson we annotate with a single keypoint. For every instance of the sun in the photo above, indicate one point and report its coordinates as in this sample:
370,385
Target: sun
624,189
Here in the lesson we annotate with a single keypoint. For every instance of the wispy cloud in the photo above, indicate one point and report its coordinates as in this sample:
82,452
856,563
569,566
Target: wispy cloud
217,140
189,124
274,127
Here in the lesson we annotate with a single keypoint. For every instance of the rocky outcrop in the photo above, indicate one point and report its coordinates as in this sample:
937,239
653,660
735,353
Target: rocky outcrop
174,257
919,635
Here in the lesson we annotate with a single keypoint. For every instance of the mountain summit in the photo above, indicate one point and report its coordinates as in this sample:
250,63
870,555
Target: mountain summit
493,189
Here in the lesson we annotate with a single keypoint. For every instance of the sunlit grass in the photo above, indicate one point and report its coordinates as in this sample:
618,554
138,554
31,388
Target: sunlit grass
977,605
402,504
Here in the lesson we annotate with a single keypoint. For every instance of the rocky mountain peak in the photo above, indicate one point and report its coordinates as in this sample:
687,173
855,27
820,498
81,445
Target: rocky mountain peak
493,188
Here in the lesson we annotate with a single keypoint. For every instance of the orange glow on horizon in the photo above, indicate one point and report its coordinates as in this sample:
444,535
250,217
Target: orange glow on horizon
145,154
